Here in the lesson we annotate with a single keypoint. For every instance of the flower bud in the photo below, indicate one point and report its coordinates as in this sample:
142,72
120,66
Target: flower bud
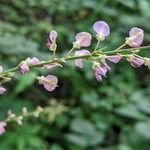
51,42
135,61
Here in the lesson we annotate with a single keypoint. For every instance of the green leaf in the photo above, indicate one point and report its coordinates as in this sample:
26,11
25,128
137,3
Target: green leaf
130,111
143,129
24,82
85,133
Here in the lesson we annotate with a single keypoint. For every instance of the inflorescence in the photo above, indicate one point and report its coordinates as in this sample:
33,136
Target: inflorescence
97,57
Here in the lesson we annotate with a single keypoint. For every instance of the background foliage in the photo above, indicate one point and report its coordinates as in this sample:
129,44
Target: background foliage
113,115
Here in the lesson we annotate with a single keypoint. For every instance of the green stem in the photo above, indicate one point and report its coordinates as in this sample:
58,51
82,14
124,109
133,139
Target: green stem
96,47
125,50
63,59
123,45
70,51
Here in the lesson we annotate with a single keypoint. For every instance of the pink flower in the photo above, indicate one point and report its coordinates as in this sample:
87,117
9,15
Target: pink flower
1,69
135,61
114,58
83,39
136,36
2,127
79,62
100,71
102,29
35,61
2,90
24,68
51,42
49,82
50,66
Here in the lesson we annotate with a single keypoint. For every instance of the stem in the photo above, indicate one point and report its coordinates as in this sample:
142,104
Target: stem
96,47
54,56
70,51
125,50
123,45
63,59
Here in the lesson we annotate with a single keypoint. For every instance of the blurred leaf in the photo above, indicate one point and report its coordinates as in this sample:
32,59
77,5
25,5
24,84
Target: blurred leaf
143,129
87,133
26,81
130,111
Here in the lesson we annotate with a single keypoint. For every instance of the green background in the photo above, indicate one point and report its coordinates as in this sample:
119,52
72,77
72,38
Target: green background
112,115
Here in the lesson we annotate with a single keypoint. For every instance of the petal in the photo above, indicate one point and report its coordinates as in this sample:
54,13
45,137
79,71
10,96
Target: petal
2,90
53,35
137,62
50,66
79,63
98,77
136,36
82,52
114,58
101,27
53,80
83,39
34,61
101,71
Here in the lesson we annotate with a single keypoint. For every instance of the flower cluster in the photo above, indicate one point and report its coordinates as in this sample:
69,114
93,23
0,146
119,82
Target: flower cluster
99,59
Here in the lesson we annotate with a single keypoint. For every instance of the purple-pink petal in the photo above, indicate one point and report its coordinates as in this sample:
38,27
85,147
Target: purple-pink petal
101,70
2,127
24,68
136,36
83,39
35,61
98,77
114,58
50,66
51,41
2,90
101,27
136,62
53,35
79,62
49,82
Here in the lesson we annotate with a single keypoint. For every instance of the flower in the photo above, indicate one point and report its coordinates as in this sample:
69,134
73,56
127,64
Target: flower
51,41
50,66
49,82
83,39
2,127
135,61
102,29
114,58
1,69
136,36
2,90
100,71
79,62
34,61
24,68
